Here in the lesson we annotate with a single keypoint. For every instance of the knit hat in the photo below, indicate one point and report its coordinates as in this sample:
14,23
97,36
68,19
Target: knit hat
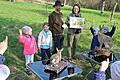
26,29
105,28
115,70
4,72
96,30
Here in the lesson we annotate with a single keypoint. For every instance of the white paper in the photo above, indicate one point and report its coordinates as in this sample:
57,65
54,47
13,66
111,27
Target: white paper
77,22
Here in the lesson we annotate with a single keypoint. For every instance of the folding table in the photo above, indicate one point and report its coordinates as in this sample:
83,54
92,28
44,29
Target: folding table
38,69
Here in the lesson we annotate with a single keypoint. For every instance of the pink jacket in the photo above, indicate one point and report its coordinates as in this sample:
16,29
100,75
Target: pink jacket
30,46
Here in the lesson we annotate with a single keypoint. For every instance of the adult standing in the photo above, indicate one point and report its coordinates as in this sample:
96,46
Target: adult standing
55,23
73,33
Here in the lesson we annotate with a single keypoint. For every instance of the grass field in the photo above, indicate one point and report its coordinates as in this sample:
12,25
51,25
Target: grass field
14,15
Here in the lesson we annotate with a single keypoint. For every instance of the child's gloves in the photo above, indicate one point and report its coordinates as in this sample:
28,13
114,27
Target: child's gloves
20,31
104,65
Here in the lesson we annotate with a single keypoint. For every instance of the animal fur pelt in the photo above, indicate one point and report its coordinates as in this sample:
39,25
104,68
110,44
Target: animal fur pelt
102,54
103,51
56,58
105,40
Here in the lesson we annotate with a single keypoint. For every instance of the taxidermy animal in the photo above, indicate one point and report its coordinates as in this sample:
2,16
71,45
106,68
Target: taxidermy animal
105,40
56,58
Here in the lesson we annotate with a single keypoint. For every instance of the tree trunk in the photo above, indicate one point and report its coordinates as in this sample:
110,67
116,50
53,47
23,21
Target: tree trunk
65,1
102,6
47,7
112,13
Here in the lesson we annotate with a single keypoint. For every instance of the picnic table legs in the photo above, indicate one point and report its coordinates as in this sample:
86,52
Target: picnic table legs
92,69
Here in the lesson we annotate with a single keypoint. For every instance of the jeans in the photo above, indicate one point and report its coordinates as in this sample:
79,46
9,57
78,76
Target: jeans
45,52
57,42
29,59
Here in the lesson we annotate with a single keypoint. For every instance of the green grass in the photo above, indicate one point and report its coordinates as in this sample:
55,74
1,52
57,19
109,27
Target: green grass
14,15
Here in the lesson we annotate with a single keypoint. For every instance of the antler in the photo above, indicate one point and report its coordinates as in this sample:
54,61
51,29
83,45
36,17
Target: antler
3,45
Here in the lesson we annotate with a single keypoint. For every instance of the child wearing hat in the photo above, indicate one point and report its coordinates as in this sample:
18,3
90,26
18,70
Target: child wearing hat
95,43
45,41
105,30
30,46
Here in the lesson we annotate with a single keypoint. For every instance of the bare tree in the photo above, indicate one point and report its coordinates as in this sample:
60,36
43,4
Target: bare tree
65,1
12,0
112,13
102,6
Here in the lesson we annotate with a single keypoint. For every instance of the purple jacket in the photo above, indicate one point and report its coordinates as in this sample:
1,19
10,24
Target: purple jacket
99,76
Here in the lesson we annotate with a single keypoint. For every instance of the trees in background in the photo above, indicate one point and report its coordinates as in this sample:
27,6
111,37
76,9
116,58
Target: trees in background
113,12
92,4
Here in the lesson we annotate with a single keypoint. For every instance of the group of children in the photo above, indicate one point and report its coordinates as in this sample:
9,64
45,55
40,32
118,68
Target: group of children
45,41
30,45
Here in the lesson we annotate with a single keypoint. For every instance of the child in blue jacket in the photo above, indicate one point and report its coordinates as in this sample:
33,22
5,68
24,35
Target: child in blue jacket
95,43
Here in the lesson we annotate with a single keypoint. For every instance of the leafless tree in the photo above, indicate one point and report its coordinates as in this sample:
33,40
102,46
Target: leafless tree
65,2
112,13
102,6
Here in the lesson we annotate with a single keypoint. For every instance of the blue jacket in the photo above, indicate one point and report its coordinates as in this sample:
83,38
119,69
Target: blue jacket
111,32
95,43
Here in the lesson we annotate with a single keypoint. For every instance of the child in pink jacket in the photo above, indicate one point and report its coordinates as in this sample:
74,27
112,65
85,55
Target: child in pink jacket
30,46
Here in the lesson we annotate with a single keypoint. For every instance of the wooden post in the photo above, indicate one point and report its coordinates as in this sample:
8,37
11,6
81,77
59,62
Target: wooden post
113,12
